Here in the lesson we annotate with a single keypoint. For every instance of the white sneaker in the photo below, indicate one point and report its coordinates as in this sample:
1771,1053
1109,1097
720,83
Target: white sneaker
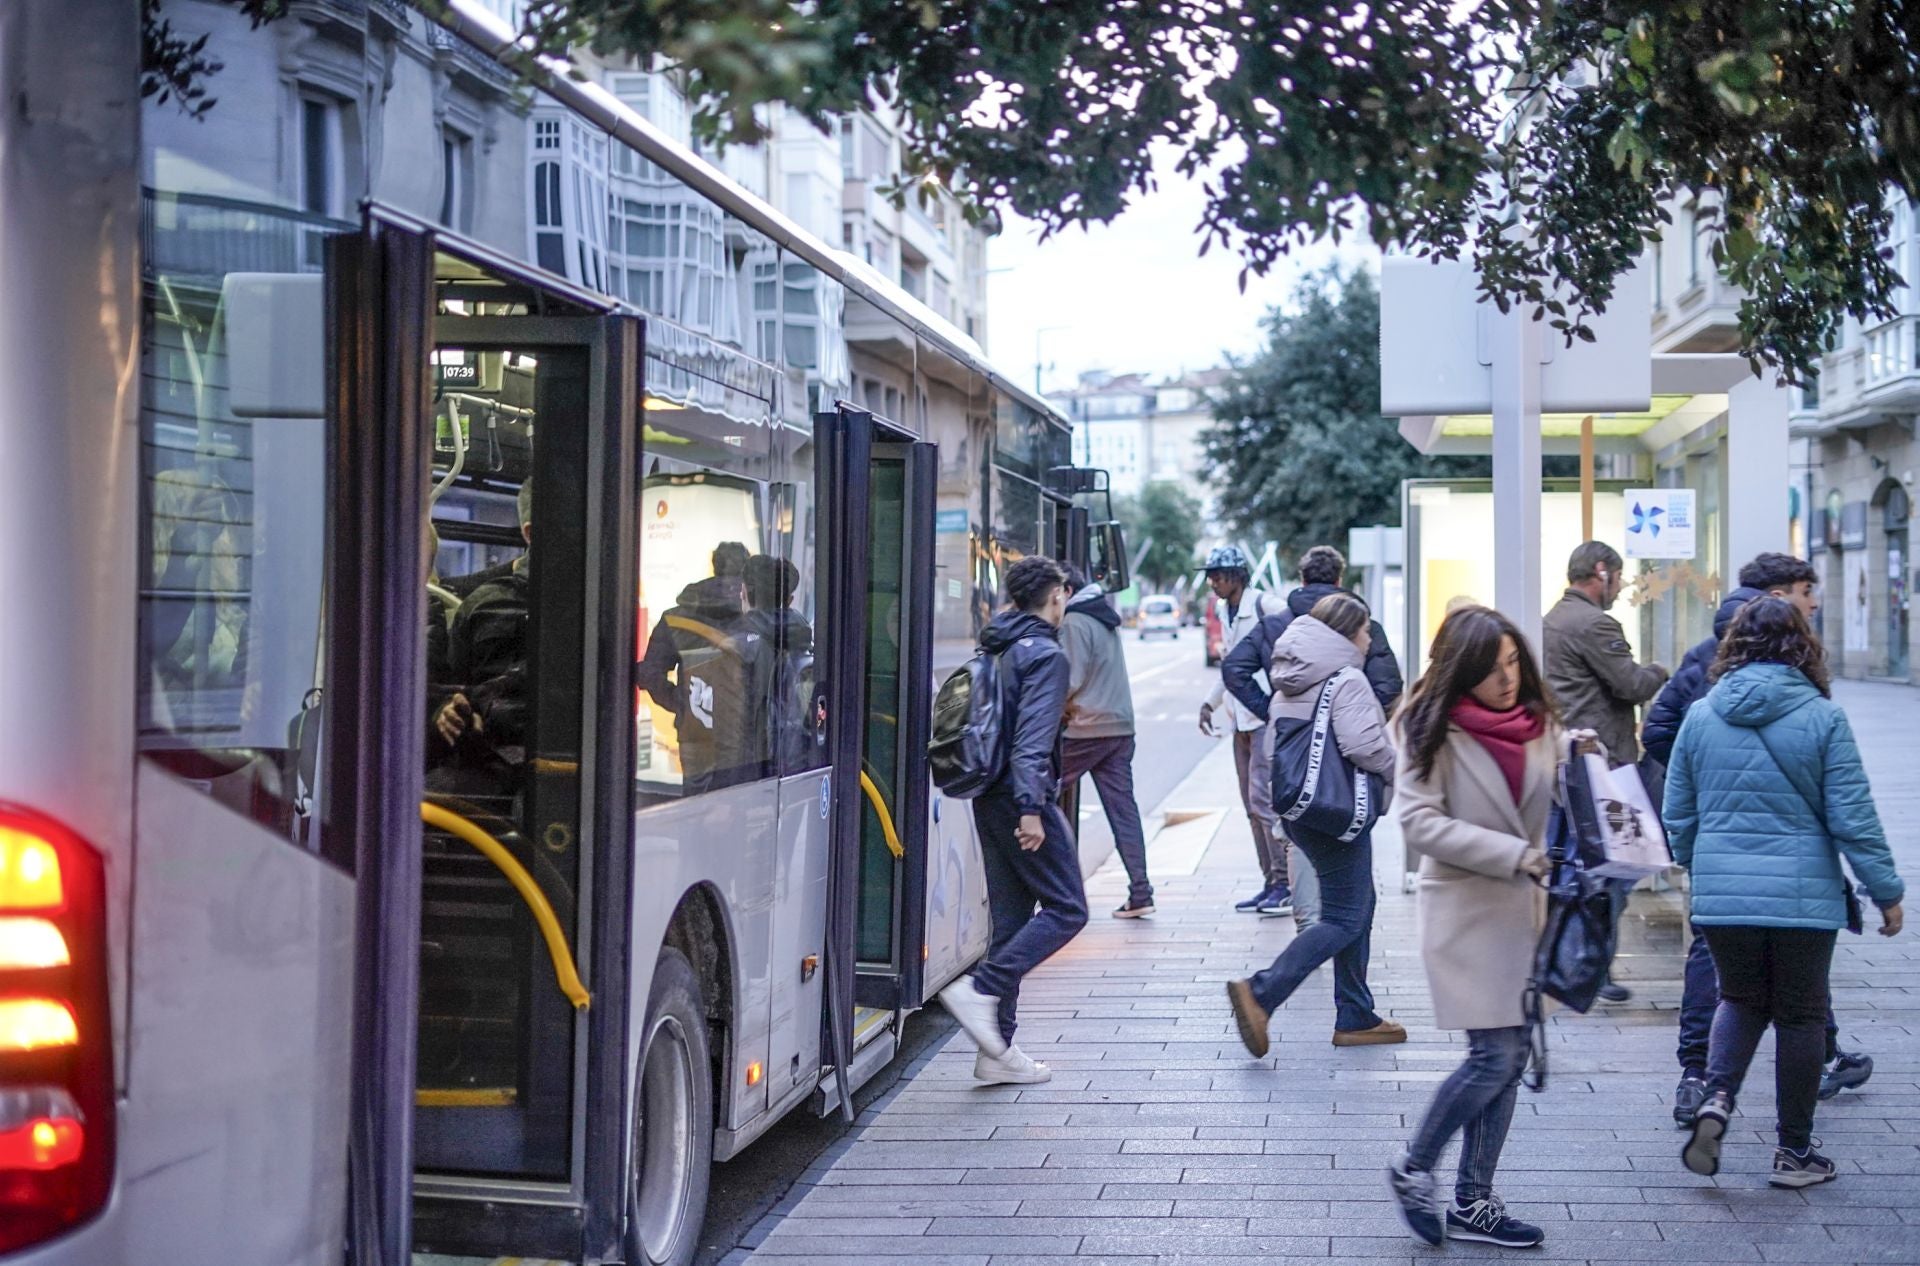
1015,1068
978,1014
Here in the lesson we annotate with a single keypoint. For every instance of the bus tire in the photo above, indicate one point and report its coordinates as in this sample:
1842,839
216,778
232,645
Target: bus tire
672,1120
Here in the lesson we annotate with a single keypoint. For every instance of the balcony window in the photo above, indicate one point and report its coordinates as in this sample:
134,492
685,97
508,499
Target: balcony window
456,181
1696,230
320,156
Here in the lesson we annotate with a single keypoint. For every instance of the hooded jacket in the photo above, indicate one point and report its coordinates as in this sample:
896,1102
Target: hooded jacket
1762,854
1033,670
1099,697
1241,668
1689,680
1307,654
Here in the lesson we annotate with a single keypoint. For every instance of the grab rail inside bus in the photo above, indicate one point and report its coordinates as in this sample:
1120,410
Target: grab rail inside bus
494,851
884,814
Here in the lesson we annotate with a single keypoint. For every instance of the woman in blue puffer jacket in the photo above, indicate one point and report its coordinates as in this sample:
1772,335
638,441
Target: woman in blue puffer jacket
1764,793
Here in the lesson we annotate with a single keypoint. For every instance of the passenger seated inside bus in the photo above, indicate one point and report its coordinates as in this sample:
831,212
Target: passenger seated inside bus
709,667
481,725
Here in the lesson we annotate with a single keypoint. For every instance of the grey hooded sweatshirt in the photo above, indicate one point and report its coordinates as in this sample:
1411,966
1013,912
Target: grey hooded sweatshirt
1305,656
1099,696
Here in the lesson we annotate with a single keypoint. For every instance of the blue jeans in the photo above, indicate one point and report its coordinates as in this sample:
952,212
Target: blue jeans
1018,881
1700,996
1478,1098
1110,761
1344,932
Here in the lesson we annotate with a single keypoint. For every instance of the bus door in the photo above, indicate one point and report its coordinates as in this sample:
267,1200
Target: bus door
522,409
880,501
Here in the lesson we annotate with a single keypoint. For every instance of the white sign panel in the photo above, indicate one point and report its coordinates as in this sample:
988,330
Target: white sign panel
1660,522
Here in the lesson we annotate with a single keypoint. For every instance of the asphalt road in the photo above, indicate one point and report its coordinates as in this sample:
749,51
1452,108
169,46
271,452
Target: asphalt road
1169,680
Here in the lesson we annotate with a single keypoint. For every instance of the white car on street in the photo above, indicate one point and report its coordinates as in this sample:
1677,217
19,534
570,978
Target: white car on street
1159,613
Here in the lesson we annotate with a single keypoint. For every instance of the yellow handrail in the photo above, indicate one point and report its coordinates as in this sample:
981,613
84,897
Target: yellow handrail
886,819
496,852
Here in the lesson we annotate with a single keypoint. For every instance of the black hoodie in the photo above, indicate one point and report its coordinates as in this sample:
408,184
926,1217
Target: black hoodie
1251,656
1689,681
1034,671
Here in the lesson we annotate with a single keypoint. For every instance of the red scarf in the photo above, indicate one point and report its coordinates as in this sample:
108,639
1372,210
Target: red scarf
1505,735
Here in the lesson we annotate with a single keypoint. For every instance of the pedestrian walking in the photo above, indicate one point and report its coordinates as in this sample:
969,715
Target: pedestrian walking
1782,576
1477,750
1100,733
1314,649
1596,683
1241,608
1244,673
1035,896
1765,793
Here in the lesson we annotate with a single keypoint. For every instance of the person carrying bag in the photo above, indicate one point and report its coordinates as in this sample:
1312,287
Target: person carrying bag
1318,690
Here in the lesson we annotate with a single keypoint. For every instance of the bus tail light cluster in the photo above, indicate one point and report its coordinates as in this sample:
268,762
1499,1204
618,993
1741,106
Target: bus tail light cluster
56,1049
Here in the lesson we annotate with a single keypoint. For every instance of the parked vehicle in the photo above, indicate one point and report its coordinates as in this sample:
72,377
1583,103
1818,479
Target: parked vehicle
1159,613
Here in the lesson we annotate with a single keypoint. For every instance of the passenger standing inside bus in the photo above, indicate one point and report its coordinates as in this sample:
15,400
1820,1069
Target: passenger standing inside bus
1100,729
484,721
1025,842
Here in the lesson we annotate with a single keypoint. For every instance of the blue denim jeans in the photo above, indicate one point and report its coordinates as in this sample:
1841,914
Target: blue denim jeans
1700,996
1344,932
1036,899
1110,761
1478,1098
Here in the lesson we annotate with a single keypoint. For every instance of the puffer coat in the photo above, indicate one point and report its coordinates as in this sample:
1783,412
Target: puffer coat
1763,837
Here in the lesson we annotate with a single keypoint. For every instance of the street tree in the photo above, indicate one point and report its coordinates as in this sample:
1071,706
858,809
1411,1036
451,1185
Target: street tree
1298,451
1166,517
1541,138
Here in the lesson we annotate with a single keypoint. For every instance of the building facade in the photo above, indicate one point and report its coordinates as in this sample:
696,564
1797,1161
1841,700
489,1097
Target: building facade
1854,451
1141,431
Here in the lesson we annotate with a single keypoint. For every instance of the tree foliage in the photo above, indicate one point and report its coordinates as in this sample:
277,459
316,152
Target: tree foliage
1538,137
1166,517
1298,451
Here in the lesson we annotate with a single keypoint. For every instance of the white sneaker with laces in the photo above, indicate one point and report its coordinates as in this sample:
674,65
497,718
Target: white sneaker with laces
1015,1068
978,1014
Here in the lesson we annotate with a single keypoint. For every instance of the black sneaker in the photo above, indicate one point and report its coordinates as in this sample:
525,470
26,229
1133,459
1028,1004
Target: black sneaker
1486,1222
1415,1198
1687,1098
1846,1070
1702,1152
1801,1169
1611,992
1253,903
1136,908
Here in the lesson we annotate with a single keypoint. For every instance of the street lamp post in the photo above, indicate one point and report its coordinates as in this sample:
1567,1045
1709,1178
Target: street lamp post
1038,364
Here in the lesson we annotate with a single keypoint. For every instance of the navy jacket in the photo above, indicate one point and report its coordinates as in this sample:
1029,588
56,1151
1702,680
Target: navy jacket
1034,671
1689,681
1248,661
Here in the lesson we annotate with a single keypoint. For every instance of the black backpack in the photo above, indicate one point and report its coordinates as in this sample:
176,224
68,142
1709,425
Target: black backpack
968,750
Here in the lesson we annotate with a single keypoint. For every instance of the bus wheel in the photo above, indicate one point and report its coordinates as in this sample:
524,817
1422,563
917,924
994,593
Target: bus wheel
672,1120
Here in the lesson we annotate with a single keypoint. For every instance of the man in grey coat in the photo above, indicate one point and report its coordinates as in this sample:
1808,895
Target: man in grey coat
1593,675
1099,735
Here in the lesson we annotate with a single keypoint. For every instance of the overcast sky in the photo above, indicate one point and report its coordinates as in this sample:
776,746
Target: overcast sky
1131,295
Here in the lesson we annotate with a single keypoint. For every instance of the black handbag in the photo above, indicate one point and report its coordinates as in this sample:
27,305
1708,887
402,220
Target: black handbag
1576,947
1314,785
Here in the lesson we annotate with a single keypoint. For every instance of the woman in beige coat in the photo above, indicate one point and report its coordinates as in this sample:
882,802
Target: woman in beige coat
1477,754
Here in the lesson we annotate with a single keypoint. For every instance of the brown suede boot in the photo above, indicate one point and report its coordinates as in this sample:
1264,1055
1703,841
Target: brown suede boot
1252,1017
1381,1034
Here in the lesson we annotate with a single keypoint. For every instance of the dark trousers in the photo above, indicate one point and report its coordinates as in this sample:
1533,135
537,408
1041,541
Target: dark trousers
1478,1098
1110,761
1344,932
1036,899
1778,977
1700,996
1269,846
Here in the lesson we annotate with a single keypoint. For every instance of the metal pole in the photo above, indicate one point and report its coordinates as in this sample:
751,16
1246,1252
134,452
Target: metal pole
1586,478
1516,468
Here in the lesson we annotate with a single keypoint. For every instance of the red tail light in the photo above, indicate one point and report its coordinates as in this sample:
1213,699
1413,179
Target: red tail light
56,1048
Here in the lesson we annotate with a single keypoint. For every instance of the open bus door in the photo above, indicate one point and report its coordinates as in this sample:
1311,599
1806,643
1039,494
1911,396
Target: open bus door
878,489
491,1029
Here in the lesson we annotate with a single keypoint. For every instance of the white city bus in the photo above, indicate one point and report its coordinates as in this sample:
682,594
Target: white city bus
371,890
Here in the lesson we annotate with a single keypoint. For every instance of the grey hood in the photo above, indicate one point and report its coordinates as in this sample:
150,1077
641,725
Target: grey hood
1308,653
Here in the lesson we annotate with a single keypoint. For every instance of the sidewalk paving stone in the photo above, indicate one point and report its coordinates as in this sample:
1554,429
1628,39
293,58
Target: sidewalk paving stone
1160,1143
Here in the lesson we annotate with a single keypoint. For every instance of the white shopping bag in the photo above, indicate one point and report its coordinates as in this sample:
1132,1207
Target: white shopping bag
1630,825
